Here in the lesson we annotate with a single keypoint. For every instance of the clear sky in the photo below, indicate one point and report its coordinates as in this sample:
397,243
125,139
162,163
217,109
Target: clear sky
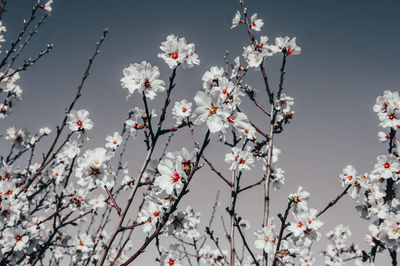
349,57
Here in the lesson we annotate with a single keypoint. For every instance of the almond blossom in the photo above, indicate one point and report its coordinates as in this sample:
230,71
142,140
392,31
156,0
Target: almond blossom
171,177
286,45
181,110
47,6
240,159
236,20
78,120
266,239
92,168
210,110
113,141
176,51
256,23
143,78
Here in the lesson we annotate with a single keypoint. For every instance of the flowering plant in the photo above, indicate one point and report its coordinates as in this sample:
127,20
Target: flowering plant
84,205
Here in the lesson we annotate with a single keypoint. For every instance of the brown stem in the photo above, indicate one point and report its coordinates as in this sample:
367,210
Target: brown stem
112,200
216,171
333,202
28,63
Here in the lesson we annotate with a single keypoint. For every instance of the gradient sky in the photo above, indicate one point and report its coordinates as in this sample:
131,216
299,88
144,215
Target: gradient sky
349,57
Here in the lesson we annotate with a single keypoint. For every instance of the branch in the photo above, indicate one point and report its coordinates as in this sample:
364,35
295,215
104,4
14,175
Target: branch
216,171
333,202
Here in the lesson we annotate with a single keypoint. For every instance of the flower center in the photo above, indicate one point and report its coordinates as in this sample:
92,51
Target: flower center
266,239
147,83
175,177
81,243
299,224
18,238
184,110
94,171
171,262
386,165
79,123
212,110
174,55
137,126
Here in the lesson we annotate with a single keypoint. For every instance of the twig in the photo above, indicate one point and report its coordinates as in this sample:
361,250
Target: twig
283,226
216,171
113,200
215,240
63,124
333,202
245,242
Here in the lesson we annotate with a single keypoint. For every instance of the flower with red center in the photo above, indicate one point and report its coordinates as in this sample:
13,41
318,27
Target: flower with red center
113,141
286,45
211,110
181,111
144,78
176,51
78,120
267,240
256,23
386,167
171,173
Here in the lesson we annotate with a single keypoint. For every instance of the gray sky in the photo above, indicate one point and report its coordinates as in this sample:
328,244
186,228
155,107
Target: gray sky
349,57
